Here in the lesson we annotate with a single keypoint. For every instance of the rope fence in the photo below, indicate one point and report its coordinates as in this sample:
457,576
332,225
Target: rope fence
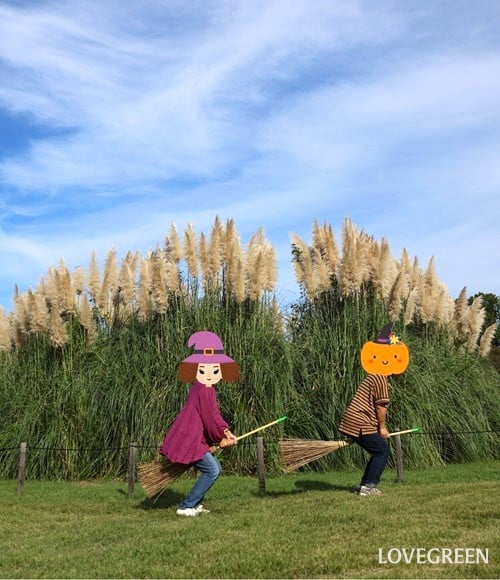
134,447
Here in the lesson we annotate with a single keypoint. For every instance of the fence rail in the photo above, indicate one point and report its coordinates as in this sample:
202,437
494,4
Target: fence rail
153,447
134,447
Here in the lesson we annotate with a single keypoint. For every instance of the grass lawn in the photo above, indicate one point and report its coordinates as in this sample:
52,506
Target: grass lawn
308,525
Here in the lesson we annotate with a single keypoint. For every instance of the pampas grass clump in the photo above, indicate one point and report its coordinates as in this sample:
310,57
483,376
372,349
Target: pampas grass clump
88,358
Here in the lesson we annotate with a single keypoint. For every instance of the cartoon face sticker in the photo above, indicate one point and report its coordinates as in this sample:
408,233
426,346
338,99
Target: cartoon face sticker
386,355
209,374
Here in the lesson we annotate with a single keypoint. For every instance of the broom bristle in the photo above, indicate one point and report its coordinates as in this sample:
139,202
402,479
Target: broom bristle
157,475
295,453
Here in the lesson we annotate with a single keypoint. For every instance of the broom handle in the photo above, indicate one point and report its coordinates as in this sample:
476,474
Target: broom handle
414,430
261,428
216,448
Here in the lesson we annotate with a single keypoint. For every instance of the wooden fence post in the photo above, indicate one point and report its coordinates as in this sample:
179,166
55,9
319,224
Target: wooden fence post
21,469
260,465
399,456
132,459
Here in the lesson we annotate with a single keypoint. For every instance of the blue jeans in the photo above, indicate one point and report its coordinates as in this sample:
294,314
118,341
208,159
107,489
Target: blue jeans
210,470
377,447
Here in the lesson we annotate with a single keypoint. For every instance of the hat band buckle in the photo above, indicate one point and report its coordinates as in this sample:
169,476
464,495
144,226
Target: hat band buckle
209,351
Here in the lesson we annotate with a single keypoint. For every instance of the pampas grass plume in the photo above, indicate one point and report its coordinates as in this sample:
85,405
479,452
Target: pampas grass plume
239,279
321,272
126,279
65,292
487,339
254,273
255,265
58,333
50,287
300,253
444,309
144,305
78,280
415,273
460,316
173,247
21,312
323,242
411,306
93,277
216,249
234,266
158,286
191,250
351,270
231,240
397,295
85,316
204,260
5,339
330,251
38,312
477,315
385,271
270,273
109,284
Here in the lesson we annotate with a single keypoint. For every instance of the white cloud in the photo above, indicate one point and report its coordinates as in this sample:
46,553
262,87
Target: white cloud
273,113
146,108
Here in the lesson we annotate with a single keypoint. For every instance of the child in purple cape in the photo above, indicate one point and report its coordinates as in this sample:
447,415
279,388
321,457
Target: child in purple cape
199,424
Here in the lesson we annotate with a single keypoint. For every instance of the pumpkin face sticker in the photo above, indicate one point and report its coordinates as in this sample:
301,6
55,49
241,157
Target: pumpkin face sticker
386,355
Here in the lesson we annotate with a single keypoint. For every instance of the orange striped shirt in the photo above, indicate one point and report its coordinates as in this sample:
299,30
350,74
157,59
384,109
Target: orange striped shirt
360,417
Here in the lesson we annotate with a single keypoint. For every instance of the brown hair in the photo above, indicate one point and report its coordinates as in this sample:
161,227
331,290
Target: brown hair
230,372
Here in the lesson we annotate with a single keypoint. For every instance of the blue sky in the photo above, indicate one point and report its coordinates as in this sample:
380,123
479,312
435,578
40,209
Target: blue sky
118,119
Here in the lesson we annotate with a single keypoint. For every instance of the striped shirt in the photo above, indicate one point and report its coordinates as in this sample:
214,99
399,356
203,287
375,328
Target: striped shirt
360,417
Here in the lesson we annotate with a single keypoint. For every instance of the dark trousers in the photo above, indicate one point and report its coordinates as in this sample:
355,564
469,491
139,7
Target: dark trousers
379,450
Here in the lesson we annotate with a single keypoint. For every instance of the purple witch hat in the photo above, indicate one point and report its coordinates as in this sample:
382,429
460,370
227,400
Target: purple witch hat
208,349
385,335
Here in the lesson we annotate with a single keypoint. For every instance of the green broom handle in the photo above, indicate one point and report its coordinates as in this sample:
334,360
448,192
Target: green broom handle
414,430
261,428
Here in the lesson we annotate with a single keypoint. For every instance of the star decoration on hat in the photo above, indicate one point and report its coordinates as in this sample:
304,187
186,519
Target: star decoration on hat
394,339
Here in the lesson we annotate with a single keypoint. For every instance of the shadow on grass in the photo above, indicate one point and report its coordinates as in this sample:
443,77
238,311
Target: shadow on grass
305,485
163,500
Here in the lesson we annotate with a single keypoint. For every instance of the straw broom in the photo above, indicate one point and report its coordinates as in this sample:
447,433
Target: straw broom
295,453
156,475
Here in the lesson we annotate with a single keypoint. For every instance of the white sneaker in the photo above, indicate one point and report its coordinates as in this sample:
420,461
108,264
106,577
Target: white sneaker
365,490
190,512
201,510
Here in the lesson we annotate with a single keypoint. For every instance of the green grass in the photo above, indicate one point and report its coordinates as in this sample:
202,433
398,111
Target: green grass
307,525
